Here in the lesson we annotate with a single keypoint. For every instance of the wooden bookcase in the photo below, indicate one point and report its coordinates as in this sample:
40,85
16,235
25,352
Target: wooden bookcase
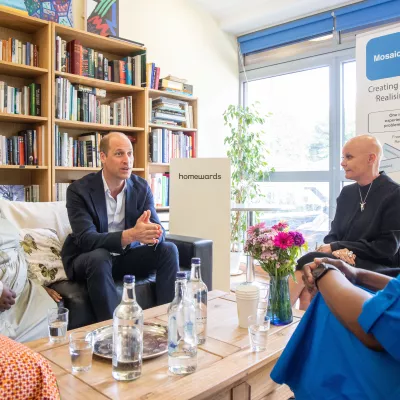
44,35
114,50
36,31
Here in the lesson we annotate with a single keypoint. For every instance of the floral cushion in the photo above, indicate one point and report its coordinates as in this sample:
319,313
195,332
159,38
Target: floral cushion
43,253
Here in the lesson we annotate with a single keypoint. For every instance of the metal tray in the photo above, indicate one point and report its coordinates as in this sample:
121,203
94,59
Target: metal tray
155,341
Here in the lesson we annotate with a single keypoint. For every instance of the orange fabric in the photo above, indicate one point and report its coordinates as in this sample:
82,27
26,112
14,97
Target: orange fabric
25,374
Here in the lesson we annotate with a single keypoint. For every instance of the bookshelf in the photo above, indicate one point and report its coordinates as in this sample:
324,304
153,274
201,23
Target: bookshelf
48,173
112,50
162,168
37,32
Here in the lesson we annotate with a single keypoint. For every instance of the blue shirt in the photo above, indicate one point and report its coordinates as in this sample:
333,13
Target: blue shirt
325,361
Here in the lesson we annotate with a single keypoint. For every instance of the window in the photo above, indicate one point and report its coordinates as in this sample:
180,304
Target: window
313,105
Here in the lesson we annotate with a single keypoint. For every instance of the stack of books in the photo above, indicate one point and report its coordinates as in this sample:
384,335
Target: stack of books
61,191
159,184
175,85
167,111
81,103
72,57
26,148
25,100
13,50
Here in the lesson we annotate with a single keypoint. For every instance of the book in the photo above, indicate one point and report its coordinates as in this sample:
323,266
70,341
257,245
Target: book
175,79
125,40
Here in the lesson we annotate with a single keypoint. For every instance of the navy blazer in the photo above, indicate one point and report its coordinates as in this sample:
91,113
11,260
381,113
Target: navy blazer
87,213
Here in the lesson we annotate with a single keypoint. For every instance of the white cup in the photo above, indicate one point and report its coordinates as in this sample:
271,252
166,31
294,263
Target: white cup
247,298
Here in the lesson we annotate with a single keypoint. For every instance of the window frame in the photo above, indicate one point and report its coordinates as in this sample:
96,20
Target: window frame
334,60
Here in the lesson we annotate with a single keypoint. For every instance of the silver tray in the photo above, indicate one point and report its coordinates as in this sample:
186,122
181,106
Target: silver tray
155,341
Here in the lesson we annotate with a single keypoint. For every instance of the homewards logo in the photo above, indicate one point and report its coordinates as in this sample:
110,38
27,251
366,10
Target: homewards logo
214,176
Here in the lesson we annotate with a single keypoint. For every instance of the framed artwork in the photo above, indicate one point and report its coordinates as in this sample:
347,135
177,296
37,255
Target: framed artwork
59,11
103,17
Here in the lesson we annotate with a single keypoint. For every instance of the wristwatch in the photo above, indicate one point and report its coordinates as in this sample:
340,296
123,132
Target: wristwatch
321,270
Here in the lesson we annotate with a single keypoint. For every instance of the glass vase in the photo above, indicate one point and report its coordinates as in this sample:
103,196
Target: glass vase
279,308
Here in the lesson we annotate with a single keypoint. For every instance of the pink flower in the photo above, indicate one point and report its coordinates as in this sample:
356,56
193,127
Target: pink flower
280,226
254,229
283,240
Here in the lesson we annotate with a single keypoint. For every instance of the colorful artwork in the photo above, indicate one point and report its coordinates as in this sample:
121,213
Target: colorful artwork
59,11
103,17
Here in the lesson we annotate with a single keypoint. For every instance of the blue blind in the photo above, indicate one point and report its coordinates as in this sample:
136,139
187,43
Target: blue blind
353,17
366,13
292,32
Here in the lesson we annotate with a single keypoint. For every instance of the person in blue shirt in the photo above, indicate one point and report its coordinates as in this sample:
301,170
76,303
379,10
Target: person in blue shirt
347,345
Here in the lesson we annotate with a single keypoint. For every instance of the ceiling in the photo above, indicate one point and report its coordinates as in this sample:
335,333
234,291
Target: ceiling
242,16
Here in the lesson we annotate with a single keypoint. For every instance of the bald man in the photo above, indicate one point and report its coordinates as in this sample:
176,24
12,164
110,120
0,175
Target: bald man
116,230
366,229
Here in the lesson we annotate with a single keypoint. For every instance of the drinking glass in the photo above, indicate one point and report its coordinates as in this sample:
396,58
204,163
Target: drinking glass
57,318
81,350
258,332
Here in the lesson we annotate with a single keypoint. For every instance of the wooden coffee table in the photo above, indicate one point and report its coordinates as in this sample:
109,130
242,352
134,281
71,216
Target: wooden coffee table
227,370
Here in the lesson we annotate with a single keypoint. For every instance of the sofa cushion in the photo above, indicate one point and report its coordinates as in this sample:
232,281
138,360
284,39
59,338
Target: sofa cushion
43,253
51,215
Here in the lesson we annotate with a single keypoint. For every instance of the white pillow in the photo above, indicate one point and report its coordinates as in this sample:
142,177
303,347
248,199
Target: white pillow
42,250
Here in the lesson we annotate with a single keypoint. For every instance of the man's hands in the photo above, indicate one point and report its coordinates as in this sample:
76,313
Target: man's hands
144,231
308,279
325,248
7,299
53,294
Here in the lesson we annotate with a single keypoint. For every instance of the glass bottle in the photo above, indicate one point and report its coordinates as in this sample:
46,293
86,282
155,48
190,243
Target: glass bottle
127,335
182,340
197,291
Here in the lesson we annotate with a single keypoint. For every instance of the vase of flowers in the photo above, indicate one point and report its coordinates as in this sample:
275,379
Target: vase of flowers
276,249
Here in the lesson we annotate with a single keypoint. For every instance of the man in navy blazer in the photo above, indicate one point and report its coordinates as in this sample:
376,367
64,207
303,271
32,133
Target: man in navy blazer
116,230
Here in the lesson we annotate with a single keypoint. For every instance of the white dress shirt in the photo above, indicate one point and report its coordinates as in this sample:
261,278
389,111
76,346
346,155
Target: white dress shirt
115,208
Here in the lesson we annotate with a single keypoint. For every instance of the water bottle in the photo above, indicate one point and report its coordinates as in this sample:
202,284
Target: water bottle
197,291
127,335
182,340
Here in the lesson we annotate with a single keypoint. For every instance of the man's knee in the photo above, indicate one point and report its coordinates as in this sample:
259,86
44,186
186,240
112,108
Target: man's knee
98,261
169,251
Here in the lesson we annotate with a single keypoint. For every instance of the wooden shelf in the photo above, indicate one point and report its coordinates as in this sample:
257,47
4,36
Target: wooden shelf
20,70
25,167
156,93
158,164
87,169
172,128
113,87
21,118
97,42
98,127
13,20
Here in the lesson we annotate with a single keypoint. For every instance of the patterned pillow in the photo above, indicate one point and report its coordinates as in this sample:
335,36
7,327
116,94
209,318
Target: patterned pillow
43,253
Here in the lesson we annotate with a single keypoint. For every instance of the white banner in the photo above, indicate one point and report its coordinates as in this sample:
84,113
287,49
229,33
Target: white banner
378,92
200,207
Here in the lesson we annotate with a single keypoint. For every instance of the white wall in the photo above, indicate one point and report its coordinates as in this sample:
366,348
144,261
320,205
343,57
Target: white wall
185,41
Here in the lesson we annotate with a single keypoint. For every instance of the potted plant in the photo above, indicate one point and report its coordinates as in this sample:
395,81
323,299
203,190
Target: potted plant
247,153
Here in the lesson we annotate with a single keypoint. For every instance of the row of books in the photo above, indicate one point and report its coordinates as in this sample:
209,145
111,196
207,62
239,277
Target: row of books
61,191
152,75
13,50
159,184
81,103
165,144
167,111
81,151
26,148
20,193
25,100
72,57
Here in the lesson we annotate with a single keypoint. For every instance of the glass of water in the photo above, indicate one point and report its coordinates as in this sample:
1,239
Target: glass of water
57,319
258,332
81,350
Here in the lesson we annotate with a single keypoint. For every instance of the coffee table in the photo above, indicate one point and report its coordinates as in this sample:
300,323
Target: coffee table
227,370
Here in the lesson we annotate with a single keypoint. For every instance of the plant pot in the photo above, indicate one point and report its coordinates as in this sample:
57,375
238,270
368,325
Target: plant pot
235,262
279,307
